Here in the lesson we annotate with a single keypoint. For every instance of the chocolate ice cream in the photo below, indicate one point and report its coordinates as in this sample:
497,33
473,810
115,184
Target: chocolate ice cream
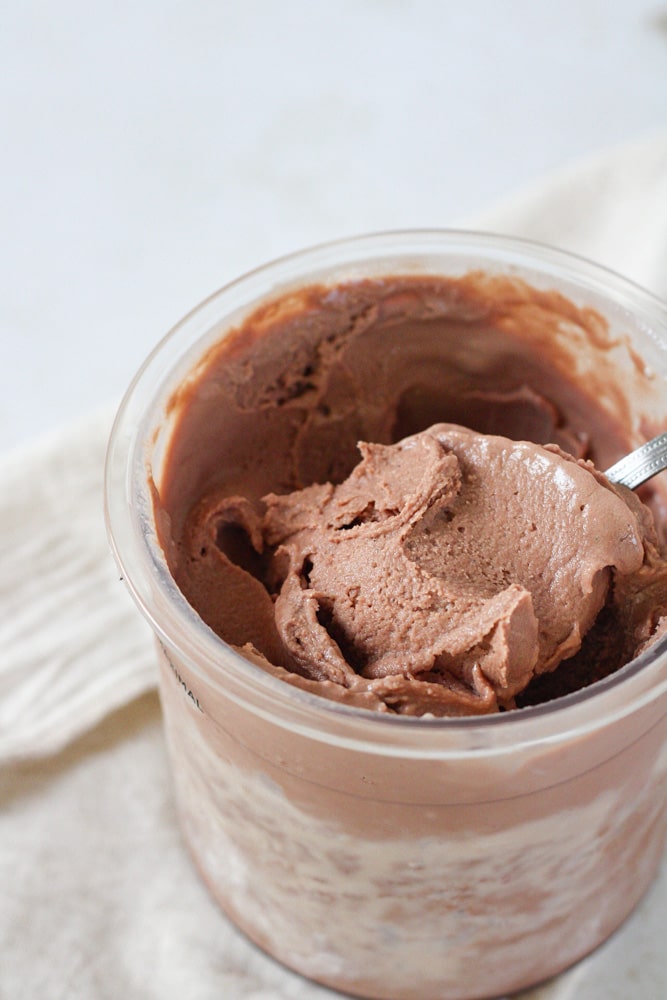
446,572
469,559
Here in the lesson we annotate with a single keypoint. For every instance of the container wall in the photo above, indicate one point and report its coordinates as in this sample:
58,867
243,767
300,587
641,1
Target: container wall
370,874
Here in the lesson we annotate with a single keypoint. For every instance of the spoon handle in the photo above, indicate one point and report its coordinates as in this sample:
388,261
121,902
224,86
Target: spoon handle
641,464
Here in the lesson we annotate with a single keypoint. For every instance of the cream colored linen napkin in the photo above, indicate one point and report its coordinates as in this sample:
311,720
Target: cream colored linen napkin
98,897
72,646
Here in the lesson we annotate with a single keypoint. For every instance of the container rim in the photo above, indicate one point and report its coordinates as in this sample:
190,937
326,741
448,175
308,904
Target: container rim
142,564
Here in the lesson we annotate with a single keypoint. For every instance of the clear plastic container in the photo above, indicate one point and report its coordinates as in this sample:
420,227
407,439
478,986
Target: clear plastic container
385,856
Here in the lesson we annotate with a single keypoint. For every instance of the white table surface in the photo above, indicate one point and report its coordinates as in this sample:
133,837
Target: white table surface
151,151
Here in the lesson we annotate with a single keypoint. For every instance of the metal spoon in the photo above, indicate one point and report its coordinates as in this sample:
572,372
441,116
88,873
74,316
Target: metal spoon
641,464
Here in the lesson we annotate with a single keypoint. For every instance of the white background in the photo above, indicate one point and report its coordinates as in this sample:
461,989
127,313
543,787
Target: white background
151,151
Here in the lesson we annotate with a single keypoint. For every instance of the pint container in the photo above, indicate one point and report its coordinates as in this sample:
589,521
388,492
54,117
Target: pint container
385,856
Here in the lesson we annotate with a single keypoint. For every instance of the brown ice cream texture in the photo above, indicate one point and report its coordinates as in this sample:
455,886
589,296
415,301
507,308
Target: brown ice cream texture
329,516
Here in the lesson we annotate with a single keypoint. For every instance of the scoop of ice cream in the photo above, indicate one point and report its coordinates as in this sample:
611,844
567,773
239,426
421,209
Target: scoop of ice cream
449,558
442,576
